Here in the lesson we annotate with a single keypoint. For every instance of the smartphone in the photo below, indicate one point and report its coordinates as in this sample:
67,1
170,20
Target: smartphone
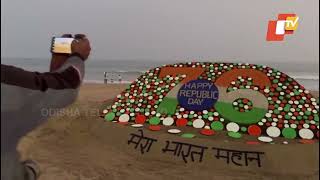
61,45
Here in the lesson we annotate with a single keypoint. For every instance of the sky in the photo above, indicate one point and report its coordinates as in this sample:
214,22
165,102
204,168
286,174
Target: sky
162,29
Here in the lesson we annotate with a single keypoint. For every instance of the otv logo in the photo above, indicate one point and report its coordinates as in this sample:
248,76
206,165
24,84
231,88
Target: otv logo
286,24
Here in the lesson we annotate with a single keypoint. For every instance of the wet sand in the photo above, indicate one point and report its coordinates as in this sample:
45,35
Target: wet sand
79,145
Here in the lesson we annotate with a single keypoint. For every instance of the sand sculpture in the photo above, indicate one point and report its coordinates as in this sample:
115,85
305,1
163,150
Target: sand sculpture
212,97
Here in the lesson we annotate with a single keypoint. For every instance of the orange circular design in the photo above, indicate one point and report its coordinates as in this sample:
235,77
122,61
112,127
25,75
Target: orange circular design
123,123
155,128
181,122
140,119
280,125
252,142
207,132
306,141
245,100
254,130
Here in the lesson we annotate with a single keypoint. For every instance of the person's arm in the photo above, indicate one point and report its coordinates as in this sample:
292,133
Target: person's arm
66,74
28,98
49,89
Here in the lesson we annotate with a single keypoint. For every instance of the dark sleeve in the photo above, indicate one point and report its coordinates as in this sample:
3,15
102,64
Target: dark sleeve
50,89
29,98
68,78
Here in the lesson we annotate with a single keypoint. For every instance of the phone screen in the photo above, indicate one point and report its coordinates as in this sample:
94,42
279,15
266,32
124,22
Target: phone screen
61,45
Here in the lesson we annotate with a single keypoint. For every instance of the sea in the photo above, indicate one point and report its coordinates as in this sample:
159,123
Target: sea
128,70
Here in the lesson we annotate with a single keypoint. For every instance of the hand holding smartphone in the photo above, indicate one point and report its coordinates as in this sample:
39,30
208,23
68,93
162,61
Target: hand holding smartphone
61,48
61,45
65,46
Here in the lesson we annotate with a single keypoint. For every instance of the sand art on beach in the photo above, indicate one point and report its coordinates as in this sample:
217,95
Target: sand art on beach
211,97
86,147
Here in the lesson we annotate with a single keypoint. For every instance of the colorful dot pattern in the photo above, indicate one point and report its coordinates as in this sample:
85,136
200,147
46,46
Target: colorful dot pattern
242,105
291,108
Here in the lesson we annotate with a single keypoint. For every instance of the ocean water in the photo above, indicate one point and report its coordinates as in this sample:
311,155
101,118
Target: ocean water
306,74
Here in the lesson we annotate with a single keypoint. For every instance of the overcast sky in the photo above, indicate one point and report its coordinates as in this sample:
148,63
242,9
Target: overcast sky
162,29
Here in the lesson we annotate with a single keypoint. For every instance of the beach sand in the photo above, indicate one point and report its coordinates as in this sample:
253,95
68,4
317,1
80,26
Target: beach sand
79,145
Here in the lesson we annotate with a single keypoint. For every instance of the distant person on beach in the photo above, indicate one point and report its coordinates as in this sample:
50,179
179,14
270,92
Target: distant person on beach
105,77
111,78
119,78
26,95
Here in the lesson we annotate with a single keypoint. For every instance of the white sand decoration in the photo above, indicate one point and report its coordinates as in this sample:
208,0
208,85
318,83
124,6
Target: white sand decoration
168,121
273,131
174,131
198,123
234,127
137,125
124,118
306,133
265,139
